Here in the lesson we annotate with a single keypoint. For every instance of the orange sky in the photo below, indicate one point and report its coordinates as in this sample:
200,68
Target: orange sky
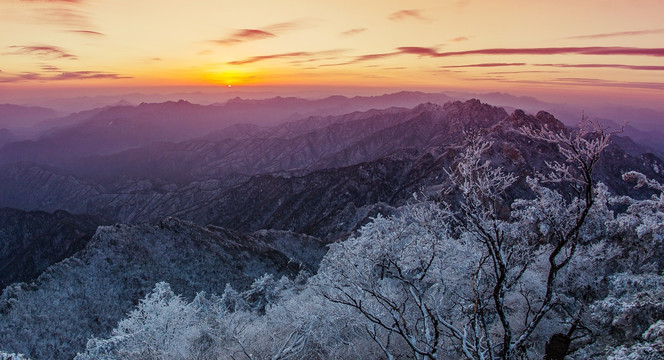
603,47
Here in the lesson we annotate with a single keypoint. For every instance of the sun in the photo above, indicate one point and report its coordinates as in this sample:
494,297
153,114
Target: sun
230,77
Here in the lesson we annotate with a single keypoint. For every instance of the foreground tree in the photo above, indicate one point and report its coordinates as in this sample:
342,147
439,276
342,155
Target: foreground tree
480,280
471,278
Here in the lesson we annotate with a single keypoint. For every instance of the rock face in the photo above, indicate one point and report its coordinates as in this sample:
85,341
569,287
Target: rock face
32,241
86,294
320,176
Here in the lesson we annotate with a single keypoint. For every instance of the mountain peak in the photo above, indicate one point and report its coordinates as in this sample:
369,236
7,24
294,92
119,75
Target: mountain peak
519,118
428,107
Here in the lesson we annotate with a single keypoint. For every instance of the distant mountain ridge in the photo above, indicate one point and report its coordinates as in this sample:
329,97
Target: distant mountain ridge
341,167
18,116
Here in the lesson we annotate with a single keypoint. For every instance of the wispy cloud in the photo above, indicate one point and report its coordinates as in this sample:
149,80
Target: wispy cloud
64,75
482,65
459,39
618,34
407,14
573,81
243,35
462,3
65,16
595,50
50,68
286,26
354,31
609,83
87,32
523,72
42,51
270,31
56,1
613,66
297,54
65,13
255,59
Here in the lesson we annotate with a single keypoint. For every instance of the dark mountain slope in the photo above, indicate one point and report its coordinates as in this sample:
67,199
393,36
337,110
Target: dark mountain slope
32,241
85,295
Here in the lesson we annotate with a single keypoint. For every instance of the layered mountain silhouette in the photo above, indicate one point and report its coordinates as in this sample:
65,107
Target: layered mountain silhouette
321,175
208,201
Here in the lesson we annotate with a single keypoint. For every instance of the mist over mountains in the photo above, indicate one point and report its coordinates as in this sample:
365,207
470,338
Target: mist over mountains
208,195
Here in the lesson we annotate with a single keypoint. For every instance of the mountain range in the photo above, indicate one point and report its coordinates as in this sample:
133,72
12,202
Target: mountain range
202,198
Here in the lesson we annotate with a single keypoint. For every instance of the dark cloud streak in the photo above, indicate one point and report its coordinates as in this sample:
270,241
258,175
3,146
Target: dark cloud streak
57,1
354,31
87,32
618,34
613,66
459,39
243,35
296,54
270,31
64,75
483,65
407,14
43,51
255,59
594,50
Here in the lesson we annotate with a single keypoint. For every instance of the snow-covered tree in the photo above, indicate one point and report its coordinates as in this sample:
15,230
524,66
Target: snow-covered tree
478,276
480,280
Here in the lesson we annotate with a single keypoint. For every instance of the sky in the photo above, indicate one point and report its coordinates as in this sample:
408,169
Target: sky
611,49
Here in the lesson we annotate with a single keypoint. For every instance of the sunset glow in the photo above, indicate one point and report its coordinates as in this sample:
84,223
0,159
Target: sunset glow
613,47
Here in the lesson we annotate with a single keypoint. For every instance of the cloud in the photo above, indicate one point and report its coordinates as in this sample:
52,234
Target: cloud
417,50
50,68
483,65
65,75
64,16
609,83
43,51
459,39
87,75
407,14
254,59
56,1
571,81
596,50
618,34
523,72
87,32
285,26
613,66
462,3
270,31
354,31
243,35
